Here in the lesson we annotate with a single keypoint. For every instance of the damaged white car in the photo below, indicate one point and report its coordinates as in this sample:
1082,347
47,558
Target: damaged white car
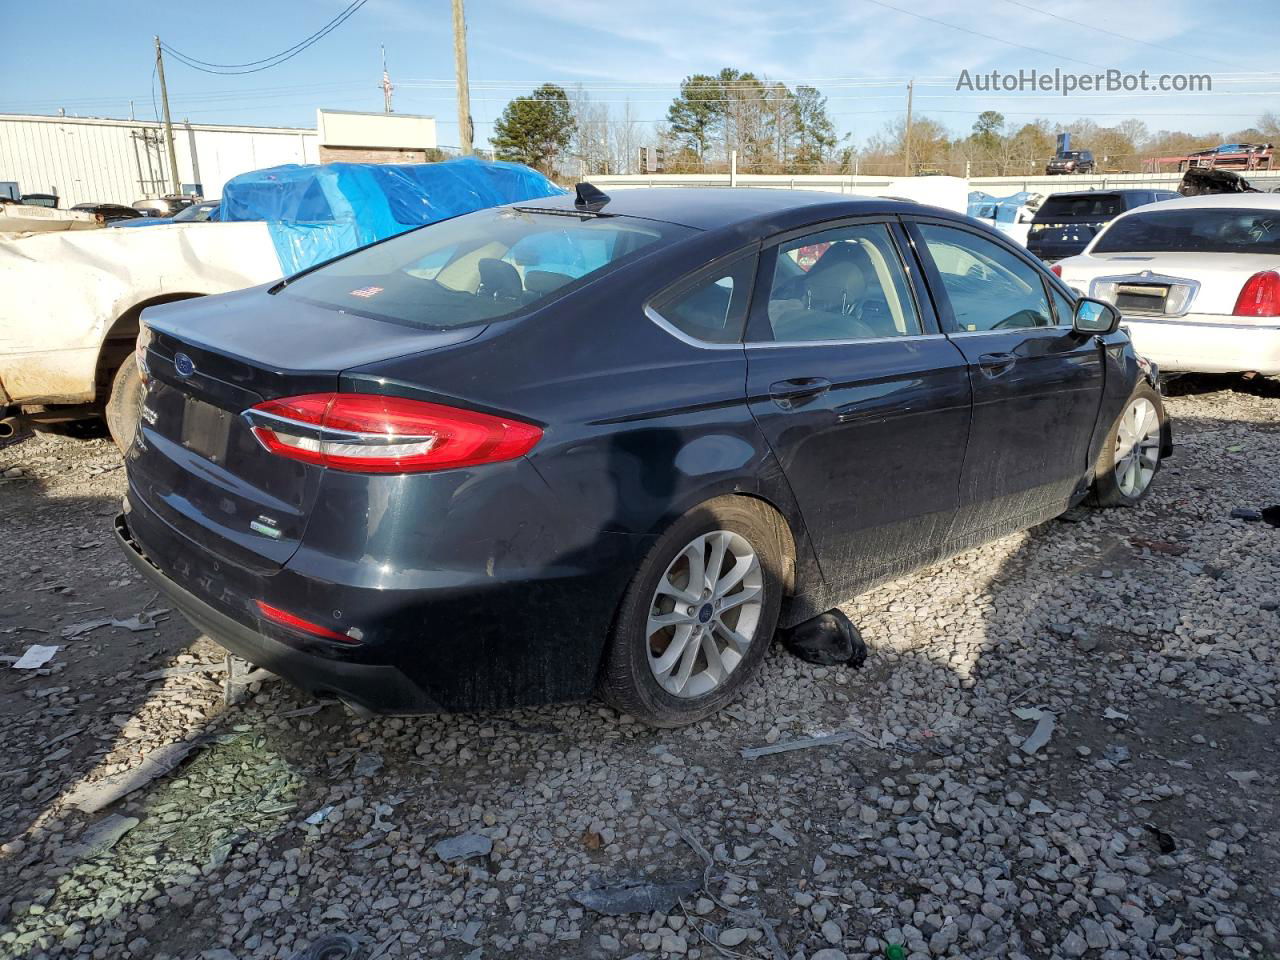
73,299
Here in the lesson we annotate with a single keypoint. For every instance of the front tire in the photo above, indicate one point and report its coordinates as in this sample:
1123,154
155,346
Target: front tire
1130,456
699,614
124,404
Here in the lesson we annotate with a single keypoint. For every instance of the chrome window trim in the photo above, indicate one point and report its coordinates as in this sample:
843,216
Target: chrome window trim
663,323
983,333
770,344
1151,278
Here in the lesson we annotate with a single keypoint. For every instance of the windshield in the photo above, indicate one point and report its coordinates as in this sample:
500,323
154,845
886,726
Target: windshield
1198,229
1095,205
198,212
479,267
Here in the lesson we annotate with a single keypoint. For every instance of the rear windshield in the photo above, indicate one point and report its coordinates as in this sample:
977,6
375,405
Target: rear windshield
1198,229
479,267
1099,205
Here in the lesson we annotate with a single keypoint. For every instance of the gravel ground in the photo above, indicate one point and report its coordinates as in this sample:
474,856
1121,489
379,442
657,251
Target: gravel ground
1144,642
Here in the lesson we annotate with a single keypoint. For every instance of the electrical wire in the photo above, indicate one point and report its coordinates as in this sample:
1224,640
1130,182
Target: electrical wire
256,66
984,36
1112,33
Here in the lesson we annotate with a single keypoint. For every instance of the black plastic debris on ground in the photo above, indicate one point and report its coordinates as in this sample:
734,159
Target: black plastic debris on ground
333,946
827,640
1164,842
1269,515
638,897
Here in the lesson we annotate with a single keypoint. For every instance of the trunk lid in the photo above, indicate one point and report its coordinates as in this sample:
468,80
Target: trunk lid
1166,284
196,462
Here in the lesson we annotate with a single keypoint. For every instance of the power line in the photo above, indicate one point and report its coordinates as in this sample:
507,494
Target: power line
1112,33
984,36
253,66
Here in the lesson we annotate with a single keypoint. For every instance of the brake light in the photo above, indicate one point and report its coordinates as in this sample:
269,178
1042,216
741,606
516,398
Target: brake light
369,433
286,619
1056,270
1260,296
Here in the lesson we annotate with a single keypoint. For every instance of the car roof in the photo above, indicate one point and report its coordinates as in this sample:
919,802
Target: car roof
713,208
1100,193
1236,201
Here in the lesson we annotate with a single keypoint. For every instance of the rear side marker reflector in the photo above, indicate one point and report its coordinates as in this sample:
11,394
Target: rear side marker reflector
369,433
294,622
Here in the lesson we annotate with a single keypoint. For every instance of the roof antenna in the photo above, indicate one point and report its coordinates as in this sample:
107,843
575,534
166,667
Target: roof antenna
589,197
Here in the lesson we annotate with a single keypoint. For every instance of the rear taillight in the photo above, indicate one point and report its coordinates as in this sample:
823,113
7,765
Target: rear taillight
1260,296
1056,270
368,433
294,622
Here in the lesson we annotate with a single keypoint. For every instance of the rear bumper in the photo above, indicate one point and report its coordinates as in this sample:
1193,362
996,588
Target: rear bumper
380,688
1203,345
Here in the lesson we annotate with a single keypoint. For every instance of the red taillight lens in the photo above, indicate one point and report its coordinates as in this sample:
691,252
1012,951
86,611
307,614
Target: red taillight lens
294,622
1056,270
1260,296
368,433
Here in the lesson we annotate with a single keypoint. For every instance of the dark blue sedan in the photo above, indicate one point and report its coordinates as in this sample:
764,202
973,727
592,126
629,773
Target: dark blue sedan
592,444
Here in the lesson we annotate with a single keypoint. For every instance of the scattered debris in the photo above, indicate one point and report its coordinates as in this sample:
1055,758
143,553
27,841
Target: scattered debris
1244,777
105,834
1028,713
35,657
463,847
1112,714
92,797
1160,546
1164,842
1116,753
828,639
1041,734
827,740
138,623
639,897
367,764
238,676
319,816
333,946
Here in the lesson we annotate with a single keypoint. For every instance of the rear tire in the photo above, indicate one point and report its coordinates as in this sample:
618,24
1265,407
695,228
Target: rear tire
733,529
124,404
1130,456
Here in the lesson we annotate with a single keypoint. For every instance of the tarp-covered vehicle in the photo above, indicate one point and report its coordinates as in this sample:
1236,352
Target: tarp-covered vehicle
69,319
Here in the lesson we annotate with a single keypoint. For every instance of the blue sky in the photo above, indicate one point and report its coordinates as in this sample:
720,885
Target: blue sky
98,56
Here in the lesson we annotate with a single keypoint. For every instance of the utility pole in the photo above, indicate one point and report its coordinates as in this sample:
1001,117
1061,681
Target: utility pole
386,83
460,64
168,124
906,160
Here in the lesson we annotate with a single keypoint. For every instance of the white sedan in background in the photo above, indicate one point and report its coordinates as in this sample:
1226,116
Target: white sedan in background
1196,279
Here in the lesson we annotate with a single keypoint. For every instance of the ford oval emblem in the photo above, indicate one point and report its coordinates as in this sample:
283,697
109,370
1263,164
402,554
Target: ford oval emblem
183,364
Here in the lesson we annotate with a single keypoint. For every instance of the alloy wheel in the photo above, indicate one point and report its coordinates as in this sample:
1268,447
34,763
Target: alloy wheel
704,613
1137,447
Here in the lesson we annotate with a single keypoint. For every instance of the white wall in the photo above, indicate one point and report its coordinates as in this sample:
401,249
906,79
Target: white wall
109,161
391,131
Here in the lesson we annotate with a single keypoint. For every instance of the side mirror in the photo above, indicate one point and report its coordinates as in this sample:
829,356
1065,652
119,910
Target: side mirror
1095,317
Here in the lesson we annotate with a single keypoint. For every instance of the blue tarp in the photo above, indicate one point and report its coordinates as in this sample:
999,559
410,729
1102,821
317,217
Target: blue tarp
315,213
998,209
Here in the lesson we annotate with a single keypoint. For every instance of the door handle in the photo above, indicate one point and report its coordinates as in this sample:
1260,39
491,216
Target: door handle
789,394
995,364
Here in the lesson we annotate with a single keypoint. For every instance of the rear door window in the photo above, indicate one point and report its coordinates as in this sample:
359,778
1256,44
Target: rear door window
841,284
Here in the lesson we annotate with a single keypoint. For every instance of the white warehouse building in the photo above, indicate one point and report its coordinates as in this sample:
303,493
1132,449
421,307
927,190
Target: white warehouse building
96,160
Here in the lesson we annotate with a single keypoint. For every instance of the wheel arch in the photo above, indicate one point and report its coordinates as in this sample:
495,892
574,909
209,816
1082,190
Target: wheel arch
120,337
